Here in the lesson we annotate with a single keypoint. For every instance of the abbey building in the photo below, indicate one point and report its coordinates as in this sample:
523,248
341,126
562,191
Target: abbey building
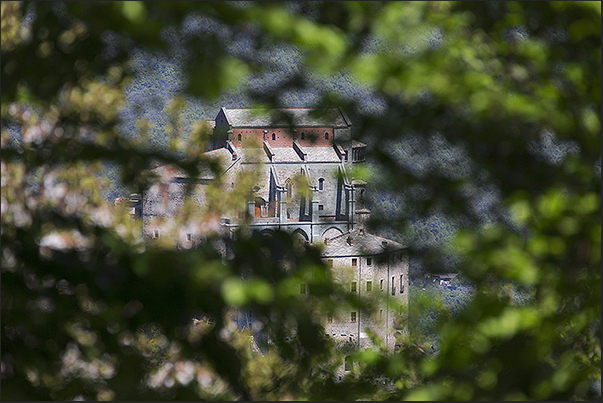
303,161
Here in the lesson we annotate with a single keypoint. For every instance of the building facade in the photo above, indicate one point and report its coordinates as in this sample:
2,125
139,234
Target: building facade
302,160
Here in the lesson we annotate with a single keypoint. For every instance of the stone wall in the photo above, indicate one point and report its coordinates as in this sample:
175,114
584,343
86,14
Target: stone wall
283,137
379,270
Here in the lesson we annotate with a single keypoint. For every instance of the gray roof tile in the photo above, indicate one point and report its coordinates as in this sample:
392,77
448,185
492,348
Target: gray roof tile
302,117
360,243
321,154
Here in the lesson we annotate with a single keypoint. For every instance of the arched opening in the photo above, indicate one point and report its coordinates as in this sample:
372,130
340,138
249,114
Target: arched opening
300,235
326,135
239,137
267,232
273,136
321,182
332,233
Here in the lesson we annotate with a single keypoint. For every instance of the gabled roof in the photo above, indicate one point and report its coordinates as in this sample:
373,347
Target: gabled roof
354,243
301,117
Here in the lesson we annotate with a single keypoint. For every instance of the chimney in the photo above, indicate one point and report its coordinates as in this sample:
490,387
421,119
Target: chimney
362,218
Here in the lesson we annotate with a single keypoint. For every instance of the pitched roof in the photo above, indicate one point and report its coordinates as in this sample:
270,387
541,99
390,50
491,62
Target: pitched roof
354,243
321,154
301,117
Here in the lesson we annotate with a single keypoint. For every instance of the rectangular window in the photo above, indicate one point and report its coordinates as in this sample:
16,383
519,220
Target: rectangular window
353,317
353,288
348,363
302,288
369,286
369,261
401,283
321,207
354,262
393,286
330,317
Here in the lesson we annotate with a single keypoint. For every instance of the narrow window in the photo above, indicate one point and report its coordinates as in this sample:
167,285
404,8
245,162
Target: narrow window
239,137
369,261
156,234
401,283
303,136
321,207
381,285
321,183
348,363
380,313
329,317
369,286
354,262
393,287
273,136
188,237
326,136
353,317
302,288
353,288
330,262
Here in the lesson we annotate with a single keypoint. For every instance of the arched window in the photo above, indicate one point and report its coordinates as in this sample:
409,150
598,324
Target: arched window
239,137
273,136
326,135
289,187
321,182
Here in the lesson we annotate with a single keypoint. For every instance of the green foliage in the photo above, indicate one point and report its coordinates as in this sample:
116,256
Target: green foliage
490,95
